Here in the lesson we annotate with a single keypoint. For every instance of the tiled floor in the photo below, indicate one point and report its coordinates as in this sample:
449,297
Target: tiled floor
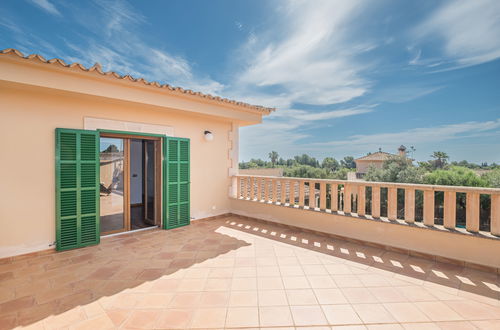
237,273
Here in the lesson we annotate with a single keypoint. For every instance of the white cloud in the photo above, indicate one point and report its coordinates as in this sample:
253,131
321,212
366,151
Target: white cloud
47,6
132,55
469,30
307,55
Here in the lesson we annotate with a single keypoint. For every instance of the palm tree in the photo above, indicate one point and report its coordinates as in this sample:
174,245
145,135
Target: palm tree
440,158
273,155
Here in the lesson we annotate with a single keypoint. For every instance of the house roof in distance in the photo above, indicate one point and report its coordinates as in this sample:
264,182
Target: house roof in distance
167,88
376,156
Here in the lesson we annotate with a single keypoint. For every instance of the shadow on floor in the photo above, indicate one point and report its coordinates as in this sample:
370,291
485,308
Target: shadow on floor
35,288
444,276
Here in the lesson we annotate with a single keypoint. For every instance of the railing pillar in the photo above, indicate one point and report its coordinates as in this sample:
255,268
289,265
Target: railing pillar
334,197
361,200
292,192
259,189
266,190
301,193
450,209
495,214
238,187
347,198
429,207
275,190
244,193
283,185
252,188
312,195
409,205
375,202
472,212
392,203
322,196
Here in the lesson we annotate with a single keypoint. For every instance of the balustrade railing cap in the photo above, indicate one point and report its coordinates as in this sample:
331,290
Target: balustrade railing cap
417,186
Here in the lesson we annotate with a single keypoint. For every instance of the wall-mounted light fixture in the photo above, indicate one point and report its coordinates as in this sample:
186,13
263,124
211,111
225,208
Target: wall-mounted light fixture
208,136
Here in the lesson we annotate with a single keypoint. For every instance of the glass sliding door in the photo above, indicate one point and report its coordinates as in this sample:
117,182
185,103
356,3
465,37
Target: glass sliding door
112,184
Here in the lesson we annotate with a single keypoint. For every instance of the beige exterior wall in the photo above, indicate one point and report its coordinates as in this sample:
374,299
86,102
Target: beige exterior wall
362,166
28,118
466,248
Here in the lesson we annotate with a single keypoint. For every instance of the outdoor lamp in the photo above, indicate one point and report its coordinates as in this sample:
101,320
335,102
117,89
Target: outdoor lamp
208,136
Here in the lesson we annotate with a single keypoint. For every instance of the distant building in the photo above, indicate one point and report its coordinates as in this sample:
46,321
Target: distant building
375,159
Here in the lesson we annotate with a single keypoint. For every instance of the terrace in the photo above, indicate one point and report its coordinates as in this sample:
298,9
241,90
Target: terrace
238,272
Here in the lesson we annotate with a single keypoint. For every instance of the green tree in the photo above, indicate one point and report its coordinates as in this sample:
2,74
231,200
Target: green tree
492,178
440,159
348,162
396,169
331,164
273,155
455,176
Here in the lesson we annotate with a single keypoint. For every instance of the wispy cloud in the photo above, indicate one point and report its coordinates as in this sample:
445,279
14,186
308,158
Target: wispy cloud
47,6
416,136
468,30
307,55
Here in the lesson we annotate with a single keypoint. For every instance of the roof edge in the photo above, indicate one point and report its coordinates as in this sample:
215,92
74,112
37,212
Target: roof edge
98,68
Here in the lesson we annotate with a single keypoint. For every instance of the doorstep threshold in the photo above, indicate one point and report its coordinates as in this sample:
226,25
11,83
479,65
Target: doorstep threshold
130,231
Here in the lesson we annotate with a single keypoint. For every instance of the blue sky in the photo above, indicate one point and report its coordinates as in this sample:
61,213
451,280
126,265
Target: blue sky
347,77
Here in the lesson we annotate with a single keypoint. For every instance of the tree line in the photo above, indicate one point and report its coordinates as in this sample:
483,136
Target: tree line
437,170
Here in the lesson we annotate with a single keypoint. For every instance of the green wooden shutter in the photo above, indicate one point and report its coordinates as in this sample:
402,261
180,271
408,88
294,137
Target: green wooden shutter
77,188
176,182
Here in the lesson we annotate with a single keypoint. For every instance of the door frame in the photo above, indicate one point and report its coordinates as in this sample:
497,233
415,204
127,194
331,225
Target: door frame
127,136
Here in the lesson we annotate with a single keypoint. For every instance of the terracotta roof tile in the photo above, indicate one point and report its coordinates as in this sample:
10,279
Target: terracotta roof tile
379,155
98,68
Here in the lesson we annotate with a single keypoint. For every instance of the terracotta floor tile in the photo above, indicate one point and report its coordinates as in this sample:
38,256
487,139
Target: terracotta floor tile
244,272
174,319
295,282
456,325
242,317
330,296
314,270
373,313
300,297
243,298
489,324
185,299
347,281
405,312
244,284
265,271
272,298
214,299
421,326
65,319
160,300
308,315
438,311
387,294
291,270
209,318
471,310
118,316
272,316
321,281
269,283
165,285
341,314
99,322
358,295
192,285
217,284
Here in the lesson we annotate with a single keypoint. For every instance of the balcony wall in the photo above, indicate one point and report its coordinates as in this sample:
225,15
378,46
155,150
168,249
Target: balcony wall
346,209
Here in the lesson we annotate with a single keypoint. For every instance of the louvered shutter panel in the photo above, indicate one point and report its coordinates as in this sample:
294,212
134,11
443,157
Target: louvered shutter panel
176,184
77,188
